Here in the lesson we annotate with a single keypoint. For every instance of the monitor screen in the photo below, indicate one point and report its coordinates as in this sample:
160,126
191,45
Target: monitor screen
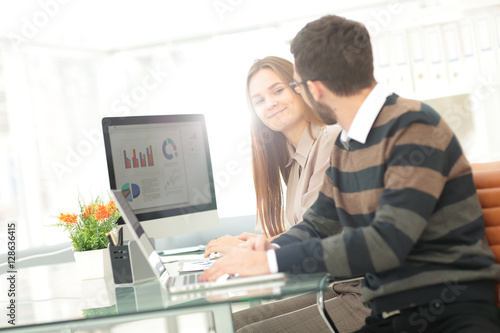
162,166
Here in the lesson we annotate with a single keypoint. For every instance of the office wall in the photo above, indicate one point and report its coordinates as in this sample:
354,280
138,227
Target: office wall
53,96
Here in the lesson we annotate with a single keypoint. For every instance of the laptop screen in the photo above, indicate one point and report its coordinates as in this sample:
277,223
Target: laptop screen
139,234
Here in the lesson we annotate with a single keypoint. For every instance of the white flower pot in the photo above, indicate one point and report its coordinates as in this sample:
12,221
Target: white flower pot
94,264
98,293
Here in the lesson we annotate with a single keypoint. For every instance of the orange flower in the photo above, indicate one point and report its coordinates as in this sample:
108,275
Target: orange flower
111,205
102,212
68,218
88,211
88,228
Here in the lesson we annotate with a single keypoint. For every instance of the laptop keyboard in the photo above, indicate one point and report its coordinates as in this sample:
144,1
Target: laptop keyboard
190,279
186,279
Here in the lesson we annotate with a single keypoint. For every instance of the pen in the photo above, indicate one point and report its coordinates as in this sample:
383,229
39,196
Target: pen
111,238
120,236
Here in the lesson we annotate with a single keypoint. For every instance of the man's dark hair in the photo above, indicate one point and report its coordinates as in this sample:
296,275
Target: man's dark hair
336,49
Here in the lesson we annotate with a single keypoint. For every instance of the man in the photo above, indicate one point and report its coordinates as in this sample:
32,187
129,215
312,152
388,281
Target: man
399,188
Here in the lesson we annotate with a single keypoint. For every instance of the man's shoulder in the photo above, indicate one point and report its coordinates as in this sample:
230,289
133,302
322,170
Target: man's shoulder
402,112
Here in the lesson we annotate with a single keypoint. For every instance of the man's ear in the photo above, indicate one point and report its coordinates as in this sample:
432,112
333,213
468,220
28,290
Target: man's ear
316,88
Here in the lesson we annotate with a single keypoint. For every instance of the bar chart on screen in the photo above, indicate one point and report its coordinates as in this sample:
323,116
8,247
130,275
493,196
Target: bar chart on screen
139,159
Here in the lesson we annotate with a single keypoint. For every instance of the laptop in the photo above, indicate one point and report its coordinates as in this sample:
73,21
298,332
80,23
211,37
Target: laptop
182,282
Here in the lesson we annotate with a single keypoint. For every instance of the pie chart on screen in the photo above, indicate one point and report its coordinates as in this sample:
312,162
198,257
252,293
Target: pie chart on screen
131,191
169,149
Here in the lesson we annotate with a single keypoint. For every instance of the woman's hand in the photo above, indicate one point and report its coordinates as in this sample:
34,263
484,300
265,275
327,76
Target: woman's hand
222,245
246,236
258,243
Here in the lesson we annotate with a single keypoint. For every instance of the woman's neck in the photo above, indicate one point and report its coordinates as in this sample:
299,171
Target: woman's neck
295,133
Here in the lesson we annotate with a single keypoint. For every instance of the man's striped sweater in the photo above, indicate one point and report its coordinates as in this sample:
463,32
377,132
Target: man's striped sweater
402,210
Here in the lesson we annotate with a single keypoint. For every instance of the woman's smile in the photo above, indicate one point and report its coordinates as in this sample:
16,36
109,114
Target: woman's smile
276,113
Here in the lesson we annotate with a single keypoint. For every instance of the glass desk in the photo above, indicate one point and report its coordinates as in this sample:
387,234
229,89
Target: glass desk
53,299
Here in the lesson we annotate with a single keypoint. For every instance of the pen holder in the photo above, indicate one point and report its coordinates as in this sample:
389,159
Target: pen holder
128,264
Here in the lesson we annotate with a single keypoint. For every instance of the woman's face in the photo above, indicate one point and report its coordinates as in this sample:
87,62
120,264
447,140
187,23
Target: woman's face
276,105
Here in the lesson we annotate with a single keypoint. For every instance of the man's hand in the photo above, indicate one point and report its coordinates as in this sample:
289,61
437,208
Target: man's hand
240,260
222,245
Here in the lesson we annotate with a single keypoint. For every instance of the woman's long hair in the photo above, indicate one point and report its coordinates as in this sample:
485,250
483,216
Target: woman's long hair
270,152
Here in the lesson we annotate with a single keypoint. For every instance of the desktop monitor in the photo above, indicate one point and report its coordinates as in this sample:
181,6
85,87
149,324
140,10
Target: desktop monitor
162,166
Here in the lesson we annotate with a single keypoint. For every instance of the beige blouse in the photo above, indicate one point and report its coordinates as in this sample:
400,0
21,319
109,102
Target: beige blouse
309,162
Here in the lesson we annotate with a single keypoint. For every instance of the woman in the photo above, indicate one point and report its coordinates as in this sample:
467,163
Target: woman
290,145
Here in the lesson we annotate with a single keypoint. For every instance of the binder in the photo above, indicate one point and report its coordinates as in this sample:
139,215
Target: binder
401,70
468,48
382,59
453,56
497,25
484,38
420,72
437,68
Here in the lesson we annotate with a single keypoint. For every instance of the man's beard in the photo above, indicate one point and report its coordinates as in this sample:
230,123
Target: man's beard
325,112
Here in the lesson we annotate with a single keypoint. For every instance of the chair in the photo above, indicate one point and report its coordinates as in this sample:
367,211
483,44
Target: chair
320,302
487,180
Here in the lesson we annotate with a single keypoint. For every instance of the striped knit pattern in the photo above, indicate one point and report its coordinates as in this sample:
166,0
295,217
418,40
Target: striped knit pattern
400,209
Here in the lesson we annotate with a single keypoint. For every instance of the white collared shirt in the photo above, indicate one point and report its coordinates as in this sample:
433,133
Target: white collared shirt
366,115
